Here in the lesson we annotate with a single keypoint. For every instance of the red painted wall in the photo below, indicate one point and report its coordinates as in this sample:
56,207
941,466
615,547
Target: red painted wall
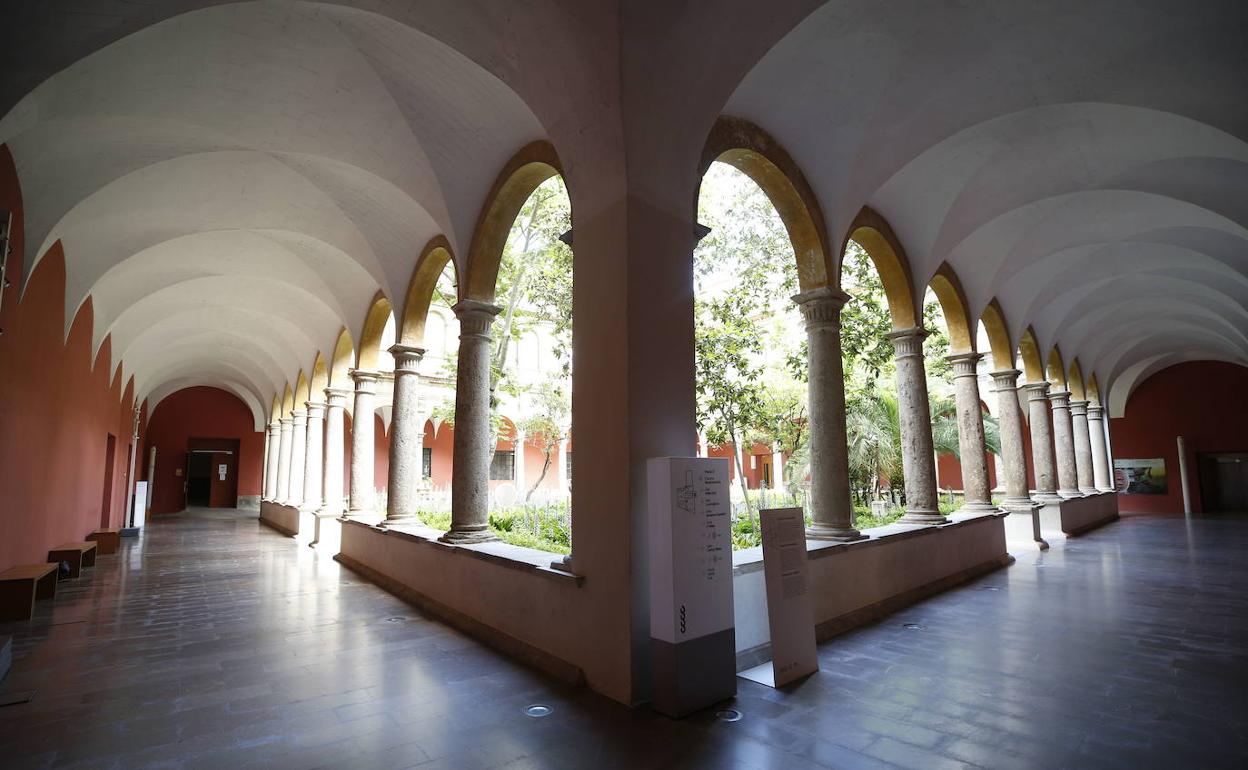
1163,408
200,413
57,407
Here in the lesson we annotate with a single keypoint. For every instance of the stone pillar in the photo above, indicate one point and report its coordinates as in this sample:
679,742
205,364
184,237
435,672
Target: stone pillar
313,473
1101,476
407,435
703,449
283,462
562,470
470,474
1064,444
1013,448
971,444
298,453
918,458
521,473
831,511
1083,447
1041,441
335,439
777,469
274,452
362,470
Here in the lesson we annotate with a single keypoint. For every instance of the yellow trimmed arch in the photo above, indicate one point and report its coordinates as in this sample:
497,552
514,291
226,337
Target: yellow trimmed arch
1029,352
275,411
1074,382
320,379
534,164
870,231
379,313
1056,369
948,290
288,402
340,364
429,268
300,394
753,151
998,336
1093,390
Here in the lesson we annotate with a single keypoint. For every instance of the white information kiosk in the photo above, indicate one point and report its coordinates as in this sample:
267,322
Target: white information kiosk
692,637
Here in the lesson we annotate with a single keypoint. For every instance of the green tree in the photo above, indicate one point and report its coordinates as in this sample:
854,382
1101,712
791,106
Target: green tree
545,425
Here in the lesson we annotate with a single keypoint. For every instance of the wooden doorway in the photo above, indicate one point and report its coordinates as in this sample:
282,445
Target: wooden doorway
1223,481
106,502
212,473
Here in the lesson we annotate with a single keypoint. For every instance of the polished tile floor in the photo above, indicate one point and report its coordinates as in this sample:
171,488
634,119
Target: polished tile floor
214,642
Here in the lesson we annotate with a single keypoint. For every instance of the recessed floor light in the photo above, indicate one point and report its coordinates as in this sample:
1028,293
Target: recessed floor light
914,626
538,710
728,715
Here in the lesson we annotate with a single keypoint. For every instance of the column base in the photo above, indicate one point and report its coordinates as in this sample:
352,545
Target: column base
1103,490
1047,497
819,531
1019,504
468,537
398,519
922,516
1069,494
1085,491
978,507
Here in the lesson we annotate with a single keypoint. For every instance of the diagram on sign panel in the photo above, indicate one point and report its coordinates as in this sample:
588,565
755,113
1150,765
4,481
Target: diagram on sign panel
687,496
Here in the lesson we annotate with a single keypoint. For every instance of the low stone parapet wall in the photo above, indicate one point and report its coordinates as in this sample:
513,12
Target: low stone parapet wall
1079,514
282,518
860,582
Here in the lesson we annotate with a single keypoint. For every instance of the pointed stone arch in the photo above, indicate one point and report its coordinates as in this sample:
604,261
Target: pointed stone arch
379,313
288,402
300,394
1075,383
319,380
958,320
429,268
340,363
754,152
998,332
532,165
1055,369
275,409
1093,390
873,233
1029,352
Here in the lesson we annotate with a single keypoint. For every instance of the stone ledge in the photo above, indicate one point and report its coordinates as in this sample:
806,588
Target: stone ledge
1078,515
507,644
280,518
751,559
497,552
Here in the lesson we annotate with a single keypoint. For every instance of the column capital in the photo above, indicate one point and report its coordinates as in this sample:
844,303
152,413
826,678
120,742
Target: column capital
821,308
1059,398
1078,407
286,422
406,358
475,317
908,342
315,408
336,398
1005,379
1037,391
298,415
965,364
365,381
1095,411
275,426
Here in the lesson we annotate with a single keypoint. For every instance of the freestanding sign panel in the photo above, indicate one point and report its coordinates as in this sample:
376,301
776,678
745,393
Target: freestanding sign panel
692,637
790,612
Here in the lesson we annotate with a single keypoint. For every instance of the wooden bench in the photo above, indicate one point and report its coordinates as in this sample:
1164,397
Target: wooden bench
21,585
109,540
79,556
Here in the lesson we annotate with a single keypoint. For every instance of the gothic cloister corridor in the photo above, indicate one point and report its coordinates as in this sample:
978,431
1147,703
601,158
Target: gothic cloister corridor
232,646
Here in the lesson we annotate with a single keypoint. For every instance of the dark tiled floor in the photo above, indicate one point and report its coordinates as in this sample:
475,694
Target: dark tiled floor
214,642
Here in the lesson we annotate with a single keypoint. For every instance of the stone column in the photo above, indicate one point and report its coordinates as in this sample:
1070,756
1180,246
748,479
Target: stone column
831,511
971,444
1064,444
298,453
313,481
362,470
1041,441
470,474
283,462
1013,449
521,473
407,435
562,470
1100,457
1083,447
918,458
703,449
335,439
777,469
275,450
